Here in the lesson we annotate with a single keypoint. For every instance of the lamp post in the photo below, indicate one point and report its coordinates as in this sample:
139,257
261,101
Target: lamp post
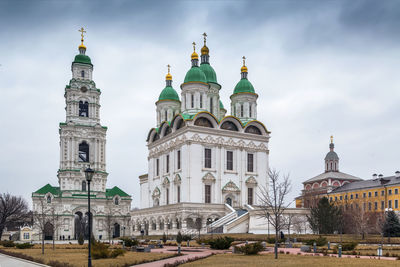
89,175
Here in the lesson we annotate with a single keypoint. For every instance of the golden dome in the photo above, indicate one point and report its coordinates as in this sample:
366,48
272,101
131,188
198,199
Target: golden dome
205,50
194,54
82,46
244,68
168,77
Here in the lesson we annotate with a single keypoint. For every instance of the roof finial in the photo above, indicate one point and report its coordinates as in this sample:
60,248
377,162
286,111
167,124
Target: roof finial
194,46
331,139
244,68
205,38
244,61
169,76
194,54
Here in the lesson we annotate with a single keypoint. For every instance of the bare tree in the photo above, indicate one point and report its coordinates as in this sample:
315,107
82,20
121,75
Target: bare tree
41,219
273,202
56,222
299,223
288,221
108,224
13,210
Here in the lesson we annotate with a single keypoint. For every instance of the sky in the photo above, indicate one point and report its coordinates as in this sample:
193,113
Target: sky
320,68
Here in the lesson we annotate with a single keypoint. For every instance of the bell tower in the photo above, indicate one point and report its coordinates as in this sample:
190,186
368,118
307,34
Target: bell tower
82,137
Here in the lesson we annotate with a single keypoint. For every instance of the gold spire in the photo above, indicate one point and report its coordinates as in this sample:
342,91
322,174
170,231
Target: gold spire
169,76
331,139
194,54
244,68
204,49
82,31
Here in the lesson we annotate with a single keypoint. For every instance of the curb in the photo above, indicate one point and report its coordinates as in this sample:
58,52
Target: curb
31,262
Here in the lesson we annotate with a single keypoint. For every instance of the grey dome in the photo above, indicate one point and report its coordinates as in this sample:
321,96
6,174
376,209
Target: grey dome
331,156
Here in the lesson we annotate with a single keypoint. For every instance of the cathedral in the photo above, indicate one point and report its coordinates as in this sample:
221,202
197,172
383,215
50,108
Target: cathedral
205,168
82,144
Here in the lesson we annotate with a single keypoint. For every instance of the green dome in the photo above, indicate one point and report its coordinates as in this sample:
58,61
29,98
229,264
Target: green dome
84,59
168,93
244,86
209,72
195,74
221,106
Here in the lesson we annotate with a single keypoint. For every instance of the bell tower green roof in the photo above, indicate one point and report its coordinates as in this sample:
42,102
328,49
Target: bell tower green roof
244,86
209,72
195,74
83,59
168,93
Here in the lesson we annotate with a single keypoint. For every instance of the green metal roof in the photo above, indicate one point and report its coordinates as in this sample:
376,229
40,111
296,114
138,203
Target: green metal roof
221,106
116,191
168,93
195,74
244,86
211,76
187,116
84,59
48,188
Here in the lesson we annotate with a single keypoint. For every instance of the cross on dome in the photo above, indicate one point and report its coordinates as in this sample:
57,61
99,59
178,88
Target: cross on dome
205,38
82,46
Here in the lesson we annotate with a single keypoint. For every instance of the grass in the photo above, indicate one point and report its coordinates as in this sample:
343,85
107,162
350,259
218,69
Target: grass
227,260
78,256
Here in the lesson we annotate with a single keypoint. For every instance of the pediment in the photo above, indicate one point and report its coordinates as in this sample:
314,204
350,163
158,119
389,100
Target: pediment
230,187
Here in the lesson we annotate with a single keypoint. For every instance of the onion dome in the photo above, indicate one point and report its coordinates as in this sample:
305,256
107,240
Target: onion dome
168,93
331,154
244,85
81,57
205,66
195,74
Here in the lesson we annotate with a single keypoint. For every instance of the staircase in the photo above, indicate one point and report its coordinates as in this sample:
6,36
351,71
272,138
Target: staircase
230,221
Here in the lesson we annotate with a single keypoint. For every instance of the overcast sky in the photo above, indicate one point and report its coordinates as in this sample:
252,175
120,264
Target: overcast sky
319,67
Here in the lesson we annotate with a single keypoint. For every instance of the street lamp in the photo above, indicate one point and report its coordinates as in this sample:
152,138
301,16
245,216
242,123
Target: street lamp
89,175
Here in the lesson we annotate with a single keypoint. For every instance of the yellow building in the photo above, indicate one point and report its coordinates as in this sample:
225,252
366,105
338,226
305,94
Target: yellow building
377,194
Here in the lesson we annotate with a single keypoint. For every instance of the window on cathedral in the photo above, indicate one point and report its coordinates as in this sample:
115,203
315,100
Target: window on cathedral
83,152
241,110
167,163
369,194
166,116
156,137
48,199
250,111
178,159
250,196
396,191
178,190
376,205
390,191
229,160
83,74
156,202
83,109
382,192
167,131
167,193
207,158
157,167
376,193
228,125
83,185
250,162
207,193
192,100
116,201
201,101
211,105
180,124
26,235
253,130
203,122
228,201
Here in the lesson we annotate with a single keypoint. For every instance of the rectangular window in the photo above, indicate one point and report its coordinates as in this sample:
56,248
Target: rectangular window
396,204
335,198
396,191
250,196
179,194
229,160
369,206
389,204
345,197
351,196
382,205
167,196
157,167
201,101
390,191
376,193
26,235
250,162
192,100
179,159
382,192
369,194
341,197
207,158
207,193
376,205
356,196
167,163
364,195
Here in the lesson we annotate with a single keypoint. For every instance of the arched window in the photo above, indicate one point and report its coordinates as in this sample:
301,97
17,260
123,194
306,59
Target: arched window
253,130
250,111
83,74
156,137
201,101
83,152
211,105
83,185
241,110
228,125
48,199
167,131
83,109
166,115
180,124
192,100
229,201
203,122
116,201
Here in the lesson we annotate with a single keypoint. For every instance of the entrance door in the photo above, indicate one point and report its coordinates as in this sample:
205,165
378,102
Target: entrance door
229,201
117,230
48,231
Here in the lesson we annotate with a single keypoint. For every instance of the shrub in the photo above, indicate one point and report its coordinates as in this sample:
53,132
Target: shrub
320,241
164,238
81,240
179,238
349,246
186,237
59,264
7,243
116,252
24,245
221,242
250,249
130,242
100,251
271,240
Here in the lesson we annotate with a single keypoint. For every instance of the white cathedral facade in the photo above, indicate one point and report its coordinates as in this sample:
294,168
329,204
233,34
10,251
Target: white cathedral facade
205,168
82,143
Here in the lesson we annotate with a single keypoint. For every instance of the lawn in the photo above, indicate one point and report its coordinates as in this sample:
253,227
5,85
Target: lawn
227,260
78,256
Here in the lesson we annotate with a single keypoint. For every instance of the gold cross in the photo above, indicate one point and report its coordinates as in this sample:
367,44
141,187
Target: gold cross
82,30
194,46
168,68
331,139
205,38
244,61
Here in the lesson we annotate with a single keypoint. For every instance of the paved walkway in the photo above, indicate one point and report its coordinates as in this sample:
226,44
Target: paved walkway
7,261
